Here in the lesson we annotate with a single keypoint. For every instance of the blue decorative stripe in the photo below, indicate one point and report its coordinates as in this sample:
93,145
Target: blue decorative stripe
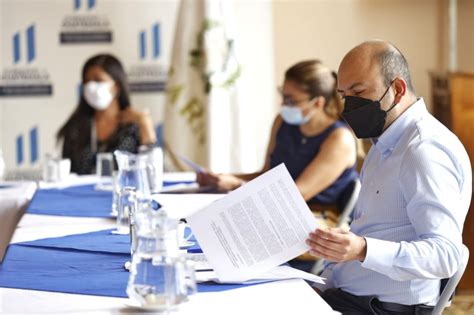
91,4
19,149
142,41
79,91
30,42
16,47
159,135
34,145
77,4
156,40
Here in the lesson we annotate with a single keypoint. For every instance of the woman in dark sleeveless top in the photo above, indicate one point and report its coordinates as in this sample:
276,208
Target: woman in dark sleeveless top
297,151
308,136
104,120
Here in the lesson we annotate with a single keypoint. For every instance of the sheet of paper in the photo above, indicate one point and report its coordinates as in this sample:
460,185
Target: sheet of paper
200,261
179,177
181,188
71,180
196,167
256,227
182,205
276,273
187,188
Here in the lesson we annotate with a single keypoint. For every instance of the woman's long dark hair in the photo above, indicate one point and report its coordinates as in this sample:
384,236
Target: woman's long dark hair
83,112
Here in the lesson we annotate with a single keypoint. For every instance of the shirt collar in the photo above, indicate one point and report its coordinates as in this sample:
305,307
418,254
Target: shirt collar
389,138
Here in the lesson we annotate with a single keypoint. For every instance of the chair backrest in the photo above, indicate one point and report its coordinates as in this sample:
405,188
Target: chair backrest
450,285
347,204
348,201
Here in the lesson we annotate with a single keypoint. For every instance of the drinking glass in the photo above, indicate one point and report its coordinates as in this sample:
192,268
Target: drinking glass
126,207
104,170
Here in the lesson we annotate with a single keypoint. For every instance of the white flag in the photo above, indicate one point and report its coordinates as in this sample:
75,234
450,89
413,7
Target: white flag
201,113
221,88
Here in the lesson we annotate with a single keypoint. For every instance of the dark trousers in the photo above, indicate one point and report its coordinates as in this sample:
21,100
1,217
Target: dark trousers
349,304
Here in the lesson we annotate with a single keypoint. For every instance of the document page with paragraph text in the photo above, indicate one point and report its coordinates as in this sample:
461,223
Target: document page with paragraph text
254,228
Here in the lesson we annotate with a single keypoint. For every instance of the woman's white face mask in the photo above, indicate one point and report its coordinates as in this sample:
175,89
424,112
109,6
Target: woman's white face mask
98,94
293,115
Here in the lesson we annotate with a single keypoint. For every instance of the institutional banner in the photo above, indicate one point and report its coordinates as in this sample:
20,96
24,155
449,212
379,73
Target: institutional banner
44,45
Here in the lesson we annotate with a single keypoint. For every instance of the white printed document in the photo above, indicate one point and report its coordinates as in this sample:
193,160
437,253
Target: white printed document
254,228
276,273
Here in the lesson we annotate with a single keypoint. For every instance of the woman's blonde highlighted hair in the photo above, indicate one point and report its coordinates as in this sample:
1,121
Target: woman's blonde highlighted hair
315,79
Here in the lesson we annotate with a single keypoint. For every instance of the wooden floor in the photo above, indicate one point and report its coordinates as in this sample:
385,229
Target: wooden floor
463,304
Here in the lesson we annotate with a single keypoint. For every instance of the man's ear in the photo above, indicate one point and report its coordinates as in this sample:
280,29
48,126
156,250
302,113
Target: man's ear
400,87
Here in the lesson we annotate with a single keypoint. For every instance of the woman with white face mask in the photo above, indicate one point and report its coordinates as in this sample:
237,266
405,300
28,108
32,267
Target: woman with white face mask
103,121
308,135
317,147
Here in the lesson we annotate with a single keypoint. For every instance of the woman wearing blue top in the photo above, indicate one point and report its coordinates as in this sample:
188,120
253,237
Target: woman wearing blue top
308,136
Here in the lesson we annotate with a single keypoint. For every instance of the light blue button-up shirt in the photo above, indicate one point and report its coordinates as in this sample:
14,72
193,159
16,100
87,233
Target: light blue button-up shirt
416,191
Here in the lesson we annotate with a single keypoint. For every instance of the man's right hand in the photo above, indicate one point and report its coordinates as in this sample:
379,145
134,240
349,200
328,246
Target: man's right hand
337,244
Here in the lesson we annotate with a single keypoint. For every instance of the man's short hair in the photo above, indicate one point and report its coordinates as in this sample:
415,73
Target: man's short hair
392,64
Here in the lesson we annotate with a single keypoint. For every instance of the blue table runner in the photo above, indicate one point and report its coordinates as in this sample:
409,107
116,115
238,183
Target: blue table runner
72,271
75,201
101,242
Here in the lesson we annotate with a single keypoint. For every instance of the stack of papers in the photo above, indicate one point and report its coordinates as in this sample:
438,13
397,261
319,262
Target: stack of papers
276,273
247,234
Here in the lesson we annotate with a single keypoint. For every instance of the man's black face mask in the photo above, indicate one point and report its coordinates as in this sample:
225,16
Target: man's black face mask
365,116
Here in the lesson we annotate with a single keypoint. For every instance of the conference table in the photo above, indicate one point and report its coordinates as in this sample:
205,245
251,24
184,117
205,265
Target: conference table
63,259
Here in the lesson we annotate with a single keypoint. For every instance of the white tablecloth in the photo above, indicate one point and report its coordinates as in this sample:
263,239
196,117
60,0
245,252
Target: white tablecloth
14,198
280,297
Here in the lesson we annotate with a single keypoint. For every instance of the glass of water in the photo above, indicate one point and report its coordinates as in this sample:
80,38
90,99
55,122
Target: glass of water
160,276
104,170
126,207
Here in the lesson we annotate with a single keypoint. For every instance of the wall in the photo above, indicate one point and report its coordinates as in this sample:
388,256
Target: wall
466,35
466,64
326,30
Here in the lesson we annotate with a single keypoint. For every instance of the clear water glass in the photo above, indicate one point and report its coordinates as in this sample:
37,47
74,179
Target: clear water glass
115,194
160,276
133,172
142,212
126,206
162,282
104,170
154,164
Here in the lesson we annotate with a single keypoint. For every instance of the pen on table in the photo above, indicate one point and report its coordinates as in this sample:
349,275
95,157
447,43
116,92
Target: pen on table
156,205
191,164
